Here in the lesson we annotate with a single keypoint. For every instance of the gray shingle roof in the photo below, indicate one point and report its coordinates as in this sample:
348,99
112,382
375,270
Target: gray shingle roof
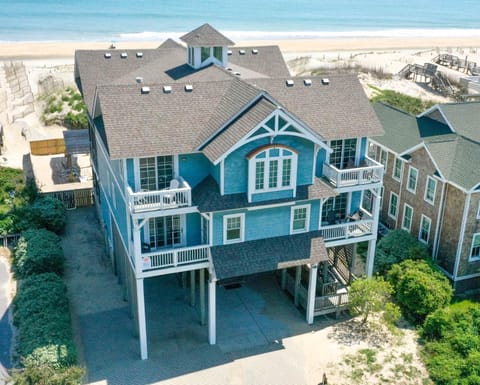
206,36
464,118
268,60
268,254
170,43
335,111
206,196
238,129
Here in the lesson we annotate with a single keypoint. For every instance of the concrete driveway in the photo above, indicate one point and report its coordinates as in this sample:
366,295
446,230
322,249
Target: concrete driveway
262,338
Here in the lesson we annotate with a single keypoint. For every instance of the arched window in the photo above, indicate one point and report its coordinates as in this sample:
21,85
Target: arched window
272,168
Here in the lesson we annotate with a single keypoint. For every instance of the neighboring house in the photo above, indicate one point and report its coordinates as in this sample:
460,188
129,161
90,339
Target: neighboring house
432,183
215,160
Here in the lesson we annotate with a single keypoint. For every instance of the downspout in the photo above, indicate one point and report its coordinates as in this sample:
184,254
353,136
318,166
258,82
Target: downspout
461,236
441,210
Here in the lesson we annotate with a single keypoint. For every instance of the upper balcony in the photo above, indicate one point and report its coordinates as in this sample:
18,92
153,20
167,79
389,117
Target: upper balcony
179,194
369,171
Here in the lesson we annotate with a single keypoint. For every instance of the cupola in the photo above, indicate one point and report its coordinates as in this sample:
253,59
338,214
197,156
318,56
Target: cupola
205,46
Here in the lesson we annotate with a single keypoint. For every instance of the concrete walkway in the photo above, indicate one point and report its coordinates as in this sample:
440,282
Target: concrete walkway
262,338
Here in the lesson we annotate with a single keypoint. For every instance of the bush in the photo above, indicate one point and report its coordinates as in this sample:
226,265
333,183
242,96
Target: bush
47,212
404,102
38,251
45,375
395,247
42,317
419,288
452,344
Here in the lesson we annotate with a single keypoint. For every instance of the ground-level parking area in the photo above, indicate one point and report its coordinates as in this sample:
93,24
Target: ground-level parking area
261,337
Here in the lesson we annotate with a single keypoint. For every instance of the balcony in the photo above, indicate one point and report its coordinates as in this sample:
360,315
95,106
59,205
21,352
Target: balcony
169,198
171,258
348,229
369,171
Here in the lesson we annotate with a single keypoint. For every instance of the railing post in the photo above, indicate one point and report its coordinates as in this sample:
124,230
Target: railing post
175,258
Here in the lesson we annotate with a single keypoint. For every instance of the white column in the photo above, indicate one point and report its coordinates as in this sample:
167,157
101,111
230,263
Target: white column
370,257
192,288
212,335
142,323
202,296
312,286
137,248
298,277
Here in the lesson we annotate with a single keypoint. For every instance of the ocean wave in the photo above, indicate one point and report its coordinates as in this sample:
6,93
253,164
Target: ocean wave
294,35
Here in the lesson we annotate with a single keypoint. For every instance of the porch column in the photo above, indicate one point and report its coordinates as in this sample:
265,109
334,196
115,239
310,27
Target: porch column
312,286
137,248
370,257
298,277
212,335
202,296
142,323
192,288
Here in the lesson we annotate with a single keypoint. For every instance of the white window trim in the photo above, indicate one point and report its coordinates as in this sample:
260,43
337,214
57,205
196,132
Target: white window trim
429,178
242,228
471,258
307,220
424,218
252,162
390,205
413,191
382,151
397,159
478,210
403,218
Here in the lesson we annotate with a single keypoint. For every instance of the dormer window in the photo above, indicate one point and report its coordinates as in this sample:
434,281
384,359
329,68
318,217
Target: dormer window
218,53
272,168
205,53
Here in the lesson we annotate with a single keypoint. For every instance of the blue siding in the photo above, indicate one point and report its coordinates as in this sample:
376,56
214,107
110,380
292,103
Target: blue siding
355,205
272,195
321,158
131,174
363,148
193,168
193,226
215,173
314,215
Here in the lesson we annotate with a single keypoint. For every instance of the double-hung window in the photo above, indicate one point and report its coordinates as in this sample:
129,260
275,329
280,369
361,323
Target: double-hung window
430,190
272,169
397,169
300,219
475,250
412,179
407,217
424,232
383,158
393,206
233,228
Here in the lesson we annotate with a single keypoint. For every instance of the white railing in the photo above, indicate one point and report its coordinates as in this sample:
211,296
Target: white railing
160,199
347,230
369,172
174,257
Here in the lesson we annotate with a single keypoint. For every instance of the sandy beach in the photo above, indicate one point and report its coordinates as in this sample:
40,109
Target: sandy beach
36,50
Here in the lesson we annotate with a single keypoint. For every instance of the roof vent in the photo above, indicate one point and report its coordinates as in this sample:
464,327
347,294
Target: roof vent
289,83
107,55
228,68
241,52
254,51
307,82
139,79
229,52
167,89
145,90
188,88
139,54
237,73
123,55
325,81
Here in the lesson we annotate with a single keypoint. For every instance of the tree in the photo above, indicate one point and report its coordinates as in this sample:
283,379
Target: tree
419,288
395,247
371,295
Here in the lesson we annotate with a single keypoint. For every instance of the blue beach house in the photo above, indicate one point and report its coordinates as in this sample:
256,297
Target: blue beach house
212,160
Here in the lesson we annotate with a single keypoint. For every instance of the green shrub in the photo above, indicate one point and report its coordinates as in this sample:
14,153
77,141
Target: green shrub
404,102
38,251
45,375
49,213
395,247
42,317
76,121
419,288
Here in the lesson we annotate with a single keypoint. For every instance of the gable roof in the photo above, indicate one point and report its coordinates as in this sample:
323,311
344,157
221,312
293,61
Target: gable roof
457,157
464,118
206,36
170,43
267,60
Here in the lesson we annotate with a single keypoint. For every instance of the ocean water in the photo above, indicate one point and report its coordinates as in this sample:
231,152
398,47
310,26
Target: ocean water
116,20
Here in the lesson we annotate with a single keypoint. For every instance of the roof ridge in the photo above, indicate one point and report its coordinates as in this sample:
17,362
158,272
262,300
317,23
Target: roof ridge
385,104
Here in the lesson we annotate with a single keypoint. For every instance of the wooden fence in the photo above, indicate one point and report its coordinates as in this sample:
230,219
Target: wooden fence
73,198
47,146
